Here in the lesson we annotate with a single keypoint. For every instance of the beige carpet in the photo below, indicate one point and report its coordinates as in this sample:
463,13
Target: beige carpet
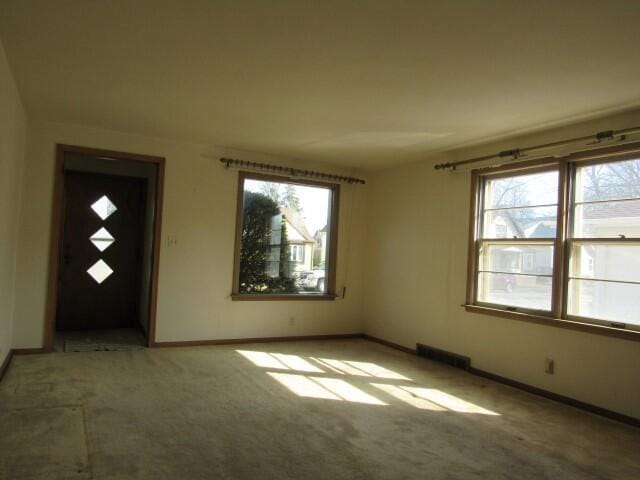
305,410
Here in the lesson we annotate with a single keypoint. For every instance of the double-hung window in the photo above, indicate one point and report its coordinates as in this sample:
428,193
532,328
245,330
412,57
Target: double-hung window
517,232
558,241
604,244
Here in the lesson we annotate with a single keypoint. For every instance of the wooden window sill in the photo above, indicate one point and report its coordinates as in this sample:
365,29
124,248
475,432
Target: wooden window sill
291,296
556,322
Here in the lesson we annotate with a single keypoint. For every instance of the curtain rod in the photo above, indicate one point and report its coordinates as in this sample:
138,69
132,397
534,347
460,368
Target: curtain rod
518,152
294,172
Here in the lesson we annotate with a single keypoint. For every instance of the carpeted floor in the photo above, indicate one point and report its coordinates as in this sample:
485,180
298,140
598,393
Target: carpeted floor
330,410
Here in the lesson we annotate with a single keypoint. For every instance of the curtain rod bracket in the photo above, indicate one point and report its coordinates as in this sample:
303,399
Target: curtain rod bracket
604,135
514,153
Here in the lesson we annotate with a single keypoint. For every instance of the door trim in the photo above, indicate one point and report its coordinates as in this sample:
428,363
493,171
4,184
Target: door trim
56,234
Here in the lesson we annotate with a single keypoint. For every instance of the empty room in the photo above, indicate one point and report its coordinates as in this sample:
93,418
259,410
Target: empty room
292,239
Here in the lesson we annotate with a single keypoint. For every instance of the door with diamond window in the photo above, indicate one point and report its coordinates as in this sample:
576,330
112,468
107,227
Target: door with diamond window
101,257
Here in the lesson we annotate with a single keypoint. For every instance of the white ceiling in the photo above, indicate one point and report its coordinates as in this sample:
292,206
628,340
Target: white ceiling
357,83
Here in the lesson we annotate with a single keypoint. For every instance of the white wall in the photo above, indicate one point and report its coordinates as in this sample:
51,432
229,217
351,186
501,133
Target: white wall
195,274
416,281
13,129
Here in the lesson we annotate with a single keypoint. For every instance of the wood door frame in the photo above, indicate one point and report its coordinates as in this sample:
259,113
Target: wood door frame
56,234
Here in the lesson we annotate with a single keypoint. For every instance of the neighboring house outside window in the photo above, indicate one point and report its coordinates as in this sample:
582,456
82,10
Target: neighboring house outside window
559,239
301,242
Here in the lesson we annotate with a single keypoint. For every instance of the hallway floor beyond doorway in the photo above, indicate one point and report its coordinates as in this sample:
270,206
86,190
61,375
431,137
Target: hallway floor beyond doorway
113,339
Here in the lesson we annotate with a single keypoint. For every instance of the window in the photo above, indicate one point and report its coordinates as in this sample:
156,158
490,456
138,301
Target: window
559,240
286,238
296,253
518,223
604,259
102,239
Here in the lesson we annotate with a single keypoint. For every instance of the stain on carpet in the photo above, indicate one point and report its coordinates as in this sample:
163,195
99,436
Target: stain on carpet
56,439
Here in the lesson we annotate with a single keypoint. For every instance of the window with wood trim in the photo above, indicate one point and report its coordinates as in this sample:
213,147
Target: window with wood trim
559,239
286,238
517,228
604,243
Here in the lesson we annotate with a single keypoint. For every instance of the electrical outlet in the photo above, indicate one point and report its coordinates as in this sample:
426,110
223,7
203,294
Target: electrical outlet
549,366
172,241
292,320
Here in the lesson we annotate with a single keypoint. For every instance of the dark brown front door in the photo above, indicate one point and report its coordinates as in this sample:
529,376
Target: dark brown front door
100,260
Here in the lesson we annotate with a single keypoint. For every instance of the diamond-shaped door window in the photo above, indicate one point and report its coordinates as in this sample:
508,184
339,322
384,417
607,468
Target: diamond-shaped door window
102,239
103,207
100,271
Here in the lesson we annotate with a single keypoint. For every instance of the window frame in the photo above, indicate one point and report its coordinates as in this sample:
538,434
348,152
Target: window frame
332,244
498,174
566,167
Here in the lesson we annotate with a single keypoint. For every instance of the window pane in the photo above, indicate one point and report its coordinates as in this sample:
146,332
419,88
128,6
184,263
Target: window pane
517,273
526,291
284,243
517,258
608,181
607,220
606,262
522,190
103,207
606,205
530,222
617,302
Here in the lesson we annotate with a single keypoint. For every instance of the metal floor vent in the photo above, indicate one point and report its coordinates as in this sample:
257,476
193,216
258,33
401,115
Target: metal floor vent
442,356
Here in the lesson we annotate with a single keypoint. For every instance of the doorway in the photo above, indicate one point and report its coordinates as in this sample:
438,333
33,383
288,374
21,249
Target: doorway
104,251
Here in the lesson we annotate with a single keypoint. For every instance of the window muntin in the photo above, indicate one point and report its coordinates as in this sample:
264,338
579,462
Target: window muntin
603,278
517,231
286,233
